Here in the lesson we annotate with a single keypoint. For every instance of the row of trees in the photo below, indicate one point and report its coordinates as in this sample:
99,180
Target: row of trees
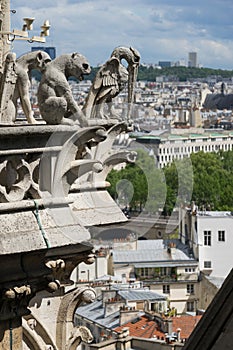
181,73
151,73
205,178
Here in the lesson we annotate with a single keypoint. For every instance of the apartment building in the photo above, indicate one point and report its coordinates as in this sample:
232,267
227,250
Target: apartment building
170,147
166,267
209,235
136,312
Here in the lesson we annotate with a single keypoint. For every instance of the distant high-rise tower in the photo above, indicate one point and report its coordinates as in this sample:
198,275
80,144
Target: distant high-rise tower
50,50
192,59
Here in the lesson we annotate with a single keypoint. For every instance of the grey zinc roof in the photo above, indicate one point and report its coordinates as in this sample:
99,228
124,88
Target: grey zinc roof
152,251
218,101
95,313
133,295
216,281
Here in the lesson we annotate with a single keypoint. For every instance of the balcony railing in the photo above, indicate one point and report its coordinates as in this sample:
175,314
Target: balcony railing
157,278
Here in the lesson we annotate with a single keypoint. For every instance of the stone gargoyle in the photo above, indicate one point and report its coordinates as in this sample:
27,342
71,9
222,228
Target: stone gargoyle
56,102
110,80
15,84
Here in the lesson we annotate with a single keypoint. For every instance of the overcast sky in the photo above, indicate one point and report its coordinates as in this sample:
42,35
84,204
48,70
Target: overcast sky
159,29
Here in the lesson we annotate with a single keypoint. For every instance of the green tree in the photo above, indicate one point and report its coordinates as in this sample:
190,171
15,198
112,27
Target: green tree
141,184
205,178
179,181
212,181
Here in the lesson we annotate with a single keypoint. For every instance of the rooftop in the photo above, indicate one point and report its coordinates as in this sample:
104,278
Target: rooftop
95,312
143,327
215,213
186,136
138,295
153,251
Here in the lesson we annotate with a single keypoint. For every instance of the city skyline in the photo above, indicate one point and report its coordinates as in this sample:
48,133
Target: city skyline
161,31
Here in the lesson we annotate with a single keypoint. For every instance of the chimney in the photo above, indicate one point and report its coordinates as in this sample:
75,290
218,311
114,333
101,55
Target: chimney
171,248
178,334
127,314
112,306
124,333
168,325
108,295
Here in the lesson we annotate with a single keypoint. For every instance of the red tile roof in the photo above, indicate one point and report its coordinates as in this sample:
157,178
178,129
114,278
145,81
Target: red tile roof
145,328
186,323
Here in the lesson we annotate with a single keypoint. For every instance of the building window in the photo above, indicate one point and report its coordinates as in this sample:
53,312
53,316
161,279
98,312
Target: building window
207,264
190,289
207,238
190,306
166,289
144,272
163,271
221,236
189,269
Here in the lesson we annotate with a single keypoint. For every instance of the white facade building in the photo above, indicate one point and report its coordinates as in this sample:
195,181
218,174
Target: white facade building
168,148
210,235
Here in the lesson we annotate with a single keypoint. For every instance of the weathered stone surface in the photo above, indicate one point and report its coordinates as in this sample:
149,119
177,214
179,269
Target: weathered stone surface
21,232
11,334
15,83
52,186
55,98
110,80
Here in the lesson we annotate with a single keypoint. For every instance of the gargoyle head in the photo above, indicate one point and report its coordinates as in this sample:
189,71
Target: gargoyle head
77,66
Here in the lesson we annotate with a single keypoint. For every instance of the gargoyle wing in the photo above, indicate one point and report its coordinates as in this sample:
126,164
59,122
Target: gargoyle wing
107,74
105,84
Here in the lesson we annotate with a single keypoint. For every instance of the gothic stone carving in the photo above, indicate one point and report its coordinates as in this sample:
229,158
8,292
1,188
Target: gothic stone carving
15,84
78,335
110,81
18,177
55,98
24,65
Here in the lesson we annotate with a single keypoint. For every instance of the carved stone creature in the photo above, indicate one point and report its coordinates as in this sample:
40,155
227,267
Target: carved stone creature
78,335
7,88
110,80
15,84
55,99
24,65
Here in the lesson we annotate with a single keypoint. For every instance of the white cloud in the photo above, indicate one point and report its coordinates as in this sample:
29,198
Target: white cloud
158,29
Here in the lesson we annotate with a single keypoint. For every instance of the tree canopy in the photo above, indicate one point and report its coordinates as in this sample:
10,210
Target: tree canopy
139,185
205,178
212,180
181,73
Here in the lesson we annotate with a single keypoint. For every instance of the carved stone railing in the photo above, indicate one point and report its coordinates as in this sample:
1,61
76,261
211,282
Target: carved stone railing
52,186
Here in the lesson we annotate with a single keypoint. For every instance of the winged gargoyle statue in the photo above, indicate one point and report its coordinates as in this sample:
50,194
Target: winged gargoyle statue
110,80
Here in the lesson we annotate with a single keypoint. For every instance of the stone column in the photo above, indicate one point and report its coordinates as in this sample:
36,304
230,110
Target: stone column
4,27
